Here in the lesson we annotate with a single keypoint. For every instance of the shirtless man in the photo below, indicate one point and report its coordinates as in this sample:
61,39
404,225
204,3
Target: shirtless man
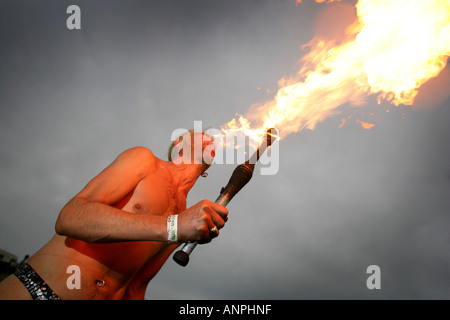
115,229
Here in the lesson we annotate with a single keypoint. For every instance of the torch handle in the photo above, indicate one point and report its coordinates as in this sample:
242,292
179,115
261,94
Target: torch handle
182,256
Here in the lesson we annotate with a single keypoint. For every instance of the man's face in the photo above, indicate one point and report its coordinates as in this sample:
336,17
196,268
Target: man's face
196,148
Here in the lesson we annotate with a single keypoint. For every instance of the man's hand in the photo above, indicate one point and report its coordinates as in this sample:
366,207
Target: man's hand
195,223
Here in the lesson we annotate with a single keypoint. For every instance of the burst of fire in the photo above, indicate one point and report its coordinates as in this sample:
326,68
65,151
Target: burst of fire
393,48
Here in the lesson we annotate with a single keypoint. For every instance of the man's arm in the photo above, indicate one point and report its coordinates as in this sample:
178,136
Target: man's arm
90,216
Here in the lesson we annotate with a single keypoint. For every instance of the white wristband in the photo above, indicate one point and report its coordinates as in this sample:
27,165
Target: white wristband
172,229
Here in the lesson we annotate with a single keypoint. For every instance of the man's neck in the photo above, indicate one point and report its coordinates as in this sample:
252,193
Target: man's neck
185,176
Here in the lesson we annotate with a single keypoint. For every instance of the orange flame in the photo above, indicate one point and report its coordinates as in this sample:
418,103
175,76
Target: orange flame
365,125
393,49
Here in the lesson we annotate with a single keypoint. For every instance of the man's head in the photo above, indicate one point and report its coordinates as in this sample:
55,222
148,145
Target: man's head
192,148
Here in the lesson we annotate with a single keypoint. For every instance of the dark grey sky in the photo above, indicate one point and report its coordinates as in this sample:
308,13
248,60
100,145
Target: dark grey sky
343,199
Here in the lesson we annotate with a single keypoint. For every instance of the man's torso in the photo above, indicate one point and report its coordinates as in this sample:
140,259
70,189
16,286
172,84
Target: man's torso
113,270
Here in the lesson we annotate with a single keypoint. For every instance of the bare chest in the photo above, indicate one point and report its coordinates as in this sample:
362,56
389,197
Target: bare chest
156,195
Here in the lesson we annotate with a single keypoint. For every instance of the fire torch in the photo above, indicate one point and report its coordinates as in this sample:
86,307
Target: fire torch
239,178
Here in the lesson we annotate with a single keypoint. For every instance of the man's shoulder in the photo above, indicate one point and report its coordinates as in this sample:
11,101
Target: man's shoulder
140,151
141,156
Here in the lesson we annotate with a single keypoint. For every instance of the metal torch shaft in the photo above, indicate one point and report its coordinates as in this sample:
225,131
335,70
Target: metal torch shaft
241,175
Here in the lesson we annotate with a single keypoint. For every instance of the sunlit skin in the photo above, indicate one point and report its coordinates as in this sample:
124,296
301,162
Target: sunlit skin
115,228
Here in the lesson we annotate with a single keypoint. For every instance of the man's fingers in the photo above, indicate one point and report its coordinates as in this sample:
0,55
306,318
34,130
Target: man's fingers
216,218
207,235
221,210
206,218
